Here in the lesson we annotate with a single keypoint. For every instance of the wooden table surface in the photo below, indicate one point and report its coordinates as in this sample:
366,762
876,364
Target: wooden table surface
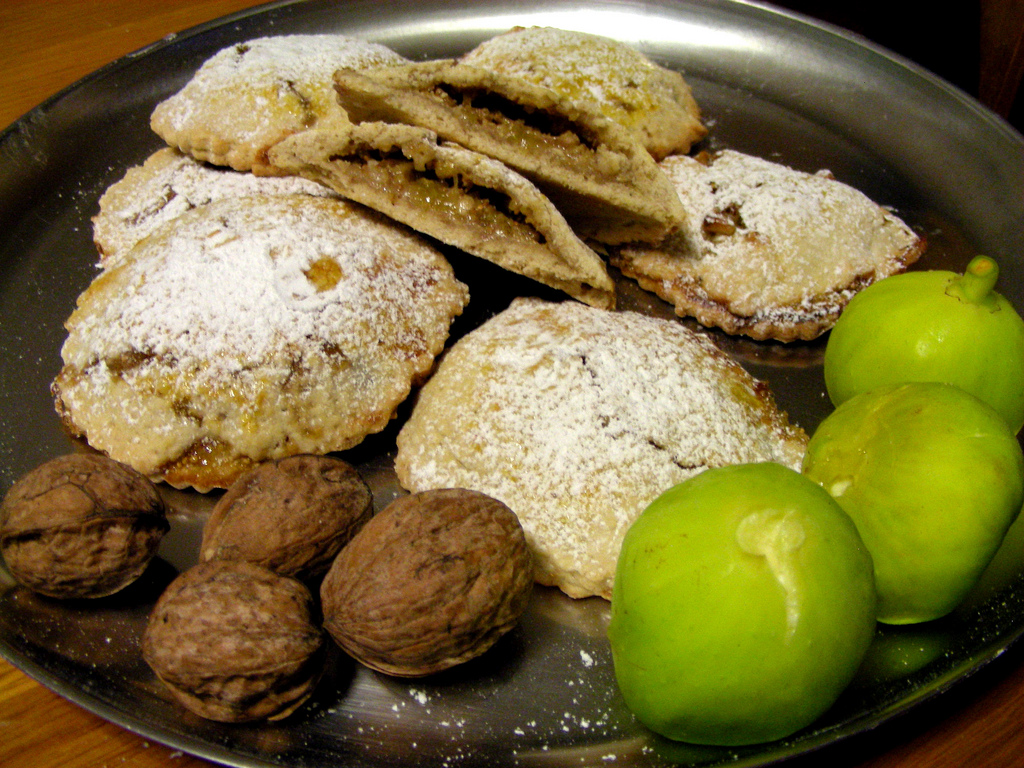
46,46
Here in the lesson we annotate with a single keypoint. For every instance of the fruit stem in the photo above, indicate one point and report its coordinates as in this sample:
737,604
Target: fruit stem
977,281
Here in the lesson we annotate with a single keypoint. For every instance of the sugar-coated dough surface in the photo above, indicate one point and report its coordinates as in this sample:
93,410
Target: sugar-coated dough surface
766,250
577,418
647,99
253,328
249,96
169,184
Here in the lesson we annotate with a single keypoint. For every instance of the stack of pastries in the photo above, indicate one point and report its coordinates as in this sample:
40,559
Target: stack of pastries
274,280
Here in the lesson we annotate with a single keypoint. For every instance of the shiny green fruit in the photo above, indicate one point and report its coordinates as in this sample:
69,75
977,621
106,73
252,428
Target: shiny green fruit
932,326
933,479
899,651
743,604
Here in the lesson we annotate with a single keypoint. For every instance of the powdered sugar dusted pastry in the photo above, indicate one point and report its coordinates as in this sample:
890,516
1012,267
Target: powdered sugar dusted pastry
454,194
598,175
249,96
167,185
647,99
577,418
768,251
253,328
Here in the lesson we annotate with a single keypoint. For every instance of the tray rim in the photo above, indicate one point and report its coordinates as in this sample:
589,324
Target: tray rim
967,670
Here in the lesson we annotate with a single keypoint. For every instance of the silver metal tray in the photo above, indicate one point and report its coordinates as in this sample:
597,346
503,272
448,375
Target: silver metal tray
771,84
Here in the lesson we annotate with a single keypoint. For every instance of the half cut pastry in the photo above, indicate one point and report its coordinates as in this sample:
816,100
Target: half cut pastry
453,194
768,251
253,328
249,96
654,103
598,175
577,419
169,184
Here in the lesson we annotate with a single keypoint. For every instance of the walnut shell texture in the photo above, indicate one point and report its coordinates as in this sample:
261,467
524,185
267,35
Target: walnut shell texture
81,526
235,642
292,515
430,582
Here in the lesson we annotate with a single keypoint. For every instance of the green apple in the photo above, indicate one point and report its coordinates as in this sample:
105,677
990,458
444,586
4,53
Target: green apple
742,606
933,478
932,326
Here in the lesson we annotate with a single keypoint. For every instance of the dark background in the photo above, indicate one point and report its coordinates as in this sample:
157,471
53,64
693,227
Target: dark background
976,45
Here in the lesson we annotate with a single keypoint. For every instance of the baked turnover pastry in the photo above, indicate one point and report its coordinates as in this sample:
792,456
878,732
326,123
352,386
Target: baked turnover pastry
458,196
577,418
249,96
653,102
253,328
768,251
167,185
595,171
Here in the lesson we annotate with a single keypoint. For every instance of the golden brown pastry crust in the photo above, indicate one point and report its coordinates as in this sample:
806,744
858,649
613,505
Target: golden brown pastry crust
768,251
599,176
453,194
577,418
249,96
654,103
169,184
253,328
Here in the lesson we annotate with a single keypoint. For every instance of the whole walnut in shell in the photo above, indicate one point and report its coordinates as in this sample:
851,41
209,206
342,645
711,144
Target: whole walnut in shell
235,642
431,581
81,525
292,515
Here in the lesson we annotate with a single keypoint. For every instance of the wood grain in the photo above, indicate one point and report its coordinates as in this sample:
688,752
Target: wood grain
39,729
47,46
1002,63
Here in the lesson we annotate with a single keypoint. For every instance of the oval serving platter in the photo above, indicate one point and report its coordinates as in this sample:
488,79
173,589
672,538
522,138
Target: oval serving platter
769,83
